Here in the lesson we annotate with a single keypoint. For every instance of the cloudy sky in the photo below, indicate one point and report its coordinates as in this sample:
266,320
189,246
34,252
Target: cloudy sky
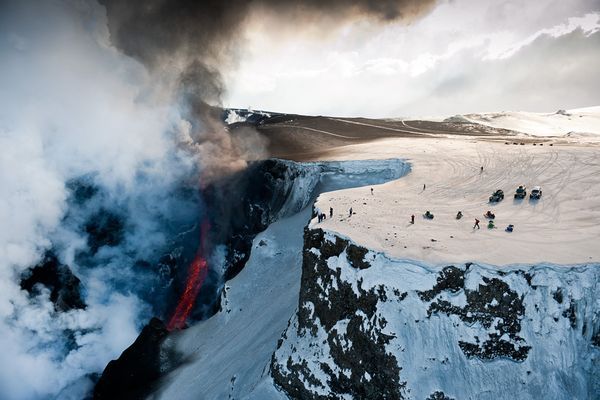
463,56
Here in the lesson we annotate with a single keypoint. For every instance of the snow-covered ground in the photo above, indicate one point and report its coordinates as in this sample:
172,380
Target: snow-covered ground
547,268
581,122
562,227
228,355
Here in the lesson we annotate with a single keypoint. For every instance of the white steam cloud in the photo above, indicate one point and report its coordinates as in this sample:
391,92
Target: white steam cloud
73,106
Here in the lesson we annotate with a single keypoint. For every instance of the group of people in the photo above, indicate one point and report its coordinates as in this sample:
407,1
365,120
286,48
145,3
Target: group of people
491,224
322,216
491,216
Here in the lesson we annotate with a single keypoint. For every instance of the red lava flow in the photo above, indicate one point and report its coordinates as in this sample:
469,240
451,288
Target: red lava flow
196,276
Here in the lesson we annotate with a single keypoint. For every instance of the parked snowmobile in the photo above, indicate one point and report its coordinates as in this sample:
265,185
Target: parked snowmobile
536,193
497,196
521,192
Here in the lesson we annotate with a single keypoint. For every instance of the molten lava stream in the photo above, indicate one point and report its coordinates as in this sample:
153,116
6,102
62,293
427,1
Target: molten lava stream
196,276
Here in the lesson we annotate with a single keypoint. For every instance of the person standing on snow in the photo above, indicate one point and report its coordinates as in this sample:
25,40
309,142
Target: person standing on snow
476,224
412,219
350,212
371,191
330,212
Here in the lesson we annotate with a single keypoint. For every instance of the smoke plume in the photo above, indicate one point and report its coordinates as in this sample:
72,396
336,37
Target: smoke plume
193,42
107,119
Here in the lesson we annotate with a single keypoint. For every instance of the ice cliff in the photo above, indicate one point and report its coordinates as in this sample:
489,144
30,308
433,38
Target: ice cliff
371,327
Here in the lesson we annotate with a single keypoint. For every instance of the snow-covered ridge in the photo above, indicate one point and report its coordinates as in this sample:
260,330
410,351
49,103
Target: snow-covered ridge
305,180
234,115
369,326
239,341
582,121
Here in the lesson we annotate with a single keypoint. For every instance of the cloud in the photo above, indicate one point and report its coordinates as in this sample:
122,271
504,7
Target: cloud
479,51
75,109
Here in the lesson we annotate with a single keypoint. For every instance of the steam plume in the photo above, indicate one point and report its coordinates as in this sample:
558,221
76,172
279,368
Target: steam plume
76,112
193,42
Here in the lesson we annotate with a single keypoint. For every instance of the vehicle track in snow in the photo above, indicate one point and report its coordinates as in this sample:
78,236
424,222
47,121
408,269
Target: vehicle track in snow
562,226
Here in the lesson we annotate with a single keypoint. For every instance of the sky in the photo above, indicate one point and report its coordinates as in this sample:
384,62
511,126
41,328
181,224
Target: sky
463,56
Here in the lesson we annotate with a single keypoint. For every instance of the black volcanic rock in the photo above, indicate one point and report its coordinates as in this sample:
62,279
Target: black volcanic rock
327,298
64,286
133,375
245,203
439,396
104,228
493,304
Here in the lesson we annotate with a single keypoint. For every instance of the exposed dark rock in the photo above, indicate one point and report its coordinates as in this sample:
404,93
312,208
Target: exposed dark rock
450,278
244,205
335,345
558,295
596,339
492,301
104,228
494,347
356,256
571,314
439,396
64,286
331,301
134,374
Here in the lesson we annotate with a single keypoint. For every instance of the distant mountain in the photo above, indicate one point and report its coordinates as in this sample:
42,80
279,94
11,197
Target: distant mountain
561,122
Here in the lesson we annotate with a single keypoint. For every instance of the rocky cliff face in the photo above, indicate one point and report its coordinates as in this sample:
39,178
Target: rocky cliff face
370,327
64,286
134,374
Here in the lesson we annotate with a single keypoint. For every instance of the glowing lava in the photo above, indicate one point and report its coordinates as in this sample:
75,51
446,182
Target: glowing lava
196,276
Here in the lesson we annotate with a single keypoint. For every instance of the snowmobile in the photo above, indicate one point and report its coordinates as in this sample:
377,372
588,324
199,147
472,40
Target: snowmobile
536,193
489,215
497,196
510,228
491,224
428,215
521,192
459,215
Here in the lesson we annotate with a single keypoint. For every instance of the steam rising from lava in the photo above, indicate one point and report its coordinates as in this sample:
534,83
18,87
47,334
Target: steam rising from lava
118,99
190,43
196,276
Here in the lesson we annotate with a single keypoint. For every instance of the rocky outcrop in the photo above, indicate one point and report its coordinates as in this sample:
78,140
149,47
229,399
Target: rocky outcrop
245,203
344,317
494,305
64,286
104,228
134,374
375,328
